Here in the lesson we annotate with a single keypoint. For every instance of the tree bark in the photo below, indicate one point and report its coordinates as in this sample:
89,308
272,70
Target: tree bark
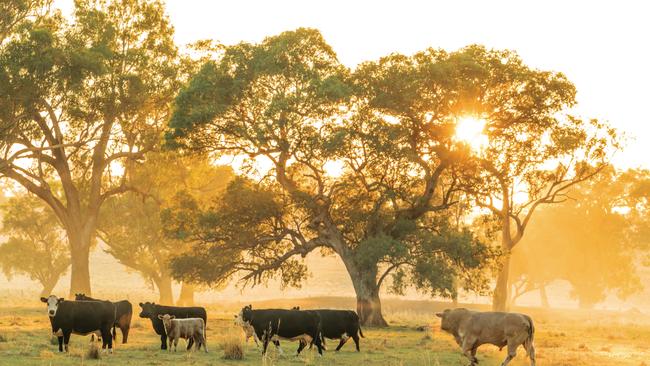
186,297
544,297
164,284
80,263
367,291
501,295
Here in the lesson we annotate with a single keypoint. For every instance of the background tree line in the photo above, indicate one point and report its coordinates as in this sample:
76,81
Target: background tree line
112,132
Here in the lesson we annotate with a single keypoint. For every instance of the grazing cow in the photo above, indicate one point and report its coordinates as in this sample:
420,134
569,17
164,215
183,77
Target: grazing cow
272,325
472,329
338,324
189,328
123,314
80,317
152,310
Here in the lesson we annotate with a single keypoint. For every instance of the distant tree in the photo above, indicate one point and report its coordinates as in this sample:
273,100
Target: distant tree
36,244
534,151
587,241
131,226
289,101
79,100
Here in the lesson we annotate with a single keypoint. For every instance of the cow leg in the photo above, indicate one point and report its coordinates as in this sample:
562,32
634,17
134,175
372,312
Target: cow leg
344,339
530,349
163,341
66,339
190,342
301,345
175,344
125,333
205,345
60,343
512,353
318,342
469,350
355,338
107,340
265,344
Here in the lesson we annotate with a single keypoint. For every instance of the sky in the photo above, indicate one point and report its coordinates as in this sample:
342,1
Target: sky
602,46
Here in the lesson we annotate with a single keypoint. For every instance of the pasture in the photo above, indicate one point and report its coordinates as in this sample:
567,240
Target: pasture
562,338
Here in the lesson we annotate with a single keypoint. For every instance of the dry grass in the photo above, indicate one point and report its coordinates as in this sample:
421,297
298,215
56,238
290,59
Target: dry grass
93,352
233,348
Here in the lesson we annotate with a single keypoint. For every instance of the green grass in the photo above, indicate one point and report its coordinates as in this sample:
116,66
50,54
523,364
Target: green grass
560,340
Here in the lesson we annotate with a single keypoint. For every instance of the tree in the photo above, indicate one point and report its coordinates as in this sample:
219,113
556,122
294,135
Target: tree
289,101
131,226
534,151
80,101
36,244
587,241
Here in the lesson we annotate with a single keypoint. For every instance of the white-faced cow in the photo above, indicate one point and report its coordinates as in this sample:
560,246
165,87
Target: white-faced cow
472,329
152,310
272,325
82,318
123,314
189,328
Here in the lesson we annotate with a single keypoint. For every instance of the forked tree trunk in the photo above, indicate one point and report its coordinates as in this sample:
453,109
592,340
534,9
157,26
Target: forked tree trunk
367,291
500,297
186,297
164,284
48,286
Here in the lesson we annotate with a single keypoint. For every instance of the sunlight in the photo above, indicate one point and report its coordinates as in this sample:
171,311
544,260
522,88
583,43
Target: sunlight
470,131
334,168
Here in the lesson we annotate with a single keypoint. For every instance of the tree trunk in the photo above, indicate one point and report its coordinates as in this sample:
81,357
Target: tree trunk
80,263
164,284
544,297
367,291
186,298
500,298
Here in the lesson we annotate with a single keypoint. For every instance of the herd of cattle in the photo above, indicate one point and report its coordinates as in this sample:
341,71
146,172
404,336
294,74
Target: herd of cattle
86,316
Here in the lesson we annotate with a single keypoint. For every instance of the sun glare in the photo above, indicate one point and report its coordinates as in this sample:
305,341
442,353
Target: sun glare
470,131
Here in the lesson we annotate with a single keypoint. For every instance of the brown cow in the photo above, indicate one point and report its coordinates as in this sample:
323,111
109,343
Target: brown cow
472,329
189,328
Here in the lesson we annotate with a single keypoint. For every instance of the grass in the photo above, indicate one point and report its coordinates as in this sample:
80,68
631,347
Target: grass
414,338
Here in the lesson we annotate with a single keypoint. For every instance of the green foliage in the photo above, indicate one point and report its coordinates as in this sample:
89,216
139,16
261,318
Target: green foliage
36,244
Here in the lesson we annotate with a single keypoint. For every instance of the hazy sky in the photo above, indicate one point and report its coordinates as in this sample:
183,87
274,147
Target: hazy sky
603,47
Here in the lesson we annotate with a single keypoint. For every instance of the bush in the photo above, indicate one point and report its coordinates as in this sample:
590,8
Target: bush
233,349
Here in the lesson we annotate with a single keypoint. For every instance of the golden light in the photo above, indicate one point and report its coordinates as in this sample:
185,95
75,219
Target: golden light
471,131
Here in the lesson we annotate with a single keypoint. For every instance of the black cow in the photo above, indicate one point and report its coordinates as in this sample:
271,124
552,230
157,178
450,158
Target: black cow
123,314
152,310
274,324
339,324
80,317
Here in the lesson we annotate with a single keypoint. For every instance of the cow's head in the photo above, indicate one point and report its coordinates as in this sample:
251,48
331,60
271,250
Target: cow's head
245,315
52,304
148,310
295,308
167,320
80,297
451,318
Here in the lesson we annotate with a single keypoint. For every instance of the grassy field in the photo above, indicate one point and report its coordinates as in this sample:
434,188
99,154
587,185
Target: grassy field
567,338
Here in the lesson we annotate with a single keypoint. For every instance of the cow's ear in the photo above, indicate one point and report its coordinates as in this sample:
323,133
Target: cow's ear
43,299
141,304
439,315
61,299
172,317
160,316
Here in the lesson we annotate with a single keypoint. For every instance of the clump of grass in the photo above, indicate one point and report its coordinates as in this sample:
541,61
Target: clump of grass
233,348
3,338
54,341
93,352
46,354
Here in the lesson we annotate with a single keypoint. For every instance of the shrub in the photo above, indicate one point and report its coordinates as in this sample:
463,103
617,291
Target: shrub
233,349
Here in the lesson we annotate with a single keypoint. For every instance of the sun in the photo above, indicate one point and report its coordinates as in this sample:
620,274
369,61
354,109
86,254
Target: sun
470,130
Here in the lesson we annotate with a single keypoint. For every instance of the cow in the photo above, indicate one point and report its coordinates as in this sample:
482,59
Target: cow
123,314
189,328
472,329
272,325
82,318
339,324
152,310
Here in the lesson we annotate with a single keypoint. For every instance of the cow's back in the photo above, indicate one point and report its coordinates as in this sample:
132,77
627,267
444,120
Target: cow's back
179,312
286,323
495,327
84,316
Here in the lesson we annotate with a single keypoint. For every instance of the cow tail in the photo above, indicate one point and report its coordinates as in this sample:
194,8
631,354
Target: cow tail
528,343
114,321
